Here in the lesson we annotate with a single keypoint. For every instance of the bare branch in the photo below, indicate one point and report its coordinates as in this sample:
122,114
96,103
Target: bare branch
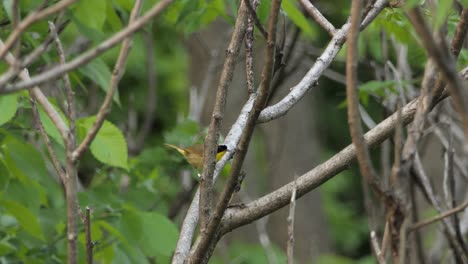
86,57
354,120
439,217
89,240
318,17
117,73
290,244
253,15
376,248
249,41
57,166
460,33
71,111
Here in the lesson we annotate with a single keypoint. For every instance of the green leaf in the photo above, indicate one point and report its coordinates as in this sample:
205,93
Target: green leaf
7,4
91,13
297,17
99,72
159,236
27,165
49,126
112,230
109,145
131,226
6,248
444,8
263,10
125,4
25,217
8,106
464,3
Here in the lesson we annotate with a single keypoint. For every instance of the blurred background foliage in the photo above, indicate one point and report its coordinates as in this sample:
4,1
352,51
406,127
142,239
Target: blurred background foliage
131,189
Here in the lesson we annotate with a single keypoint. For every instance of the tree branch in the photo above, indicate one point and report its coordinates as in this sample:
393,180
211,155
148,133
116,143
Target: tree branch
36,15
354,120
117,73
318,17
439,217
86,57
290,220
322,62
253,15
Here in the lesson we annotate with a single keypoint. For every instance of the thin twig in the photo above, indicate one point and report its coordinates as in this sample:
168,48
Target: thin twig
430,195
460,33
117,74
354,120
70,94
14,24
86,57
45,137
290,243
89,240
441,216
318,17
34,16
376,247
249,42
253,15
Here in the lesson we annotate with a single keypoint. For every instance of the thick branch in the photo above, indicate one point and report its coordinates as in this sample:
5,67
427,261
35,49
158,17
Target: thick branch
322,62
318,17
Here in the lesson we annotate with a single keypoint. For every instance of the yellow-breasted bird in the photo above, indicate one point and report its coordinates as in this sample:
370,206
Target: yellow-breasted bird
195,154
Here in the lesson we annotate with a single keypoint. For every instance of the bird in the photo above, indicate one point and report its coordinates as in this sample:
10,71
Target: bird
194,154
